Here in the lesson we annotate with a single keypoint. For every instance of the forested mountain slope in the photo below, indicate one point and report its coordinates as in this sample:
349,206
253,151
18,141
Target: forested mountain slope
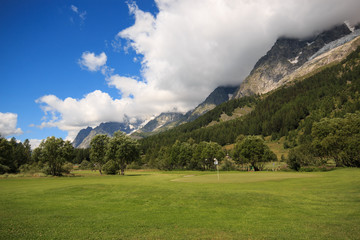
332,92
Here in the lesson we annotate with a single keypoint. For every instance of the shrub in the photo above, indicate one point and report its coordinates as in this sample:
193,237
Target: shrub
134,165
110,168
30,168
86,165
228,165
67,167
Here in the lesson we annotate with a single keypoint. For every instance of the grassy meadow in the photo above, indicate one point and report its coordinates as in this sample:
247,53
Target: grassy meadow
183,205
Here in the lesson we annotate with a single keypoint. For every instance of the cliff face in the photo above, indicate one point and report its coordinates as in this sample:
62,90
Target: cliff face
285,57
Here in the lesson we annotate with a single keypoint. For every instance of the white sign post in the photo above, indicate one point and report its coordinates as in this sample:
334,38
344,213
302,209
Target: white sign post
216,163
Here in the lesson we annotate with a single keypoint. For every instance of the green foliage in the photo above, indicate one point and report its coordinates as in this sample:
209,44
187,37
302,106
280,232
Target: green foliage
81,154
98,147
30,168
122,150
13,154
338,139
110,167
254,151
67,167
54,153
228,165
189,155
86,165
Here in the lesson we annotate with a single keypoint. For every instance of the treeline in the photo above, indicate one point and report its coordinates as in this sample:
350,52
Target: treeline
13,155
56,157
197,129
290,111
249,152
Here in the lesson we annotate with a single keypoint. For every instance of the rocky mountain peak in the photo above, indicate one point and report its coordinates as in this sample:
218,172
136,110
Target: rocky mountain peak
286,55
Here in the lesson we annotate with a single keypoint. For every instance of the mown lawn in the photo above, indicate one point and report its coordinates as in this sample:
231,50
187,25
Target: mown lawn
183,205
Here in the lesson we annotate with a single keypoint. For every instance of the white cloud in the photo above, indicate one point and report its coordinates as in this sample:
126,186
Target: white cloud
192,46
8,123
74,9
34,143
92,62
80,14
127,86
74,114
187,50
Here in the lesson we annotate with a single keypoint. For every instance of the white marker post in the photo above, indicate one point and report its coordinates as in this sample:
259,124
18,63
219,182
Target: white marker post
216,163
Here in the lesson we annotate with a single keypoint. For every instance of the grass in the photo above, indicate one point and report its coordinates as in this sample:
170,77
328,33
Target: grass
183,205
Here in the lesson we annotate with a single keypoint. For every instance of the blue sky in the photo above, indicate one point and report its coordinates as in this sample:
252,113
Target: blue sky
41,43
66,65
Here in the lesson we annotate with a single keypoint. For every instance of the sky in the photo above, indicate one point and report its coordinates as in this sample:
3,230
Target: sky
66,65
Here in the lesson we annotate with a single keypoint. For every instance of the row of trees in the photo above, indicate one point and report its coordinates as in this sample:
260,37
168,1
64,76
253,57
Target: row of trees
249,150
54,156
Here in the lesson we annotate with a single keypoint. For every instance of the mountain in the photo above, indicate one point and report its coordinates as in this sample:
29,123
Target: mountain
84,137
169,120
287,60
289,54
81,136
162,121
327,95
218,96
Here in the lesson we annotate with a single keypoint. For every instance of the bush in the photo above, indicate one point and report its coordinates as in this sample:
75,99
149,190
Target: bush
86,165
227,165
110,168
134,165
301,157
67,167
4,169
30,168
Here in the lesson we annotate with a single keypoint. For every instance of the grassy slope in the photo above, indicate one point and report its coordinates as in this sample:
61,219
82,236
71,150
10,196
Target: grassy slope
183,205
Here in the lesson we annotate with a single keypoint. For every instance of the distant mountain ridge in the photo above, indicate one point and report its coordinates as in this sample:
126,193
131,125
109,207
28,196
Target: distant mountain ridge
84,137
171,119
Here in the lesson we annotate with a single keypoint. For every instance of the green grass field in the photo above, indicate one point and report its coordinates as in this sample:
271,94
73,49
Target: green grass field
183,205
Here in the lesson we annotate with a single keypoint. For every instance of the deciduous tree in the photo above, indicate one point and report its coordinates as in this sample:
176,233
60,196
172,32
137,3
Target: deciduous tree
123,150
98,148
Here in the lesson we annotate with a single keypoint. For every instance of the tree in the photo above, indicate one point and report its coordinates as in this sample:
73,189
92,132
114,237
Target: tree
98,147
55,152
5,153
338,138
13,154
253,150
204,154
123,150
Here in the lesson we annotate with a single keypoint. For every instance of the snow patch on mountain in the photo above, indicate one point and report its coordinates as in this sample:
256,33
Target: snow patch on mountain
336,43
295,60
351,28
